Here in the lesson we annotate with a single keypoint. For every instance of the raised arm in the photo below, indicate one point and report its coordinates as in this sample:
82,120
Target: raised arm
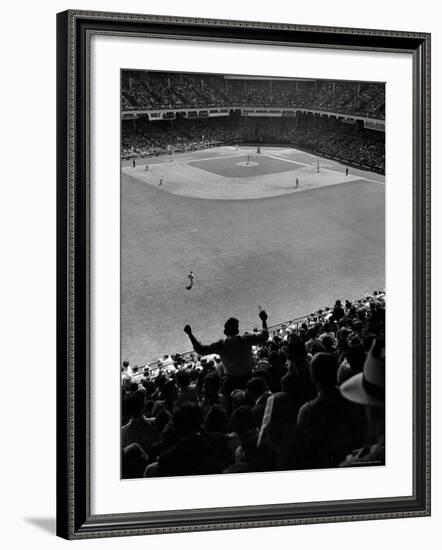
263,316
263,336
201,349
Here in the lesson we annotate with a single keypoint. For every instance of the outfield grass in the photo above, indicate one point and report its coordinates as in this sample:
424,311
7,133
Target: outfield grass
290,254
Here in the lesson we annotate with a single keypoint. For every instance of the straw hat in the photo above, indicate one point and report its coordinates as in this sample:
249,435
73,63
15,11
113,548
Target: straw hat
368,386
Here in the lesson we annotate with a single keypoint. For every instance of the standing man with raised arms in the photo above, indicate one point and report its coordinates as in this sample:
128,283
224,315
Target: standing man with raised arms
235,351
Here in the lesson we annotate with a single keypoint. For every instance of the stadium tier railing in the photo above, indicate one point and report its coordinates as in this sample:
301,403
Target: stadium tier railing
278,329
274,330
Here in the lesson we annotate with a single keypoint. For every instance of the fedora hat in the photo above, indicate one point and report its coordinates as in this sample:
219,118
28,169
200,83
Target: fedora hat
368,386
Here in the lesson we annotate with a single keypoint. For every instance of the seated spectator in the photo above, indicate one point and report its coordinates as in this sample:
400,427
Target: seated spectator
186,392
244,426
134,461
293,385
237,399
210,392
196,452
329,344
168,397
168,438
338,312
299,371
353,362
367,389
216,420
139,429
262,457
317,347
256,387
313,339
328,427
276,370
162,419
126,374
257,393
125,407
278,429
328,333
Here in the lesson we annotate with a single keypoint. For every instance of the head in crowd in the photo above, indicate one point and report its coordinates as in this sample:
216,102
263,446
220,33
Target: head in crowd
182,379
317,347
256,387
169,391
323,371
355,356
243,421
133,461
328,343
291,383
188,419
216,420
211,386
136,404
238,398
162,418
231,327
149,386
296,349
282,411
277,359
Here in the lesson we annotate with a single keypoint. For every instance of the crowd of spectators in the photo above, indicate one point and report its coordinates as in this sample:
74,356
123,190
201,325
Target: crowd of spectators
350,143
306,395
155,90
347,142
172,90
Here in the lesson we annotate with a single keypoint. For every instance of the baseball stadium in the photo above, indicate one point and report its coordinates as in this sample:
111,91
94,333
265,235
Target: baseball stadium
252,274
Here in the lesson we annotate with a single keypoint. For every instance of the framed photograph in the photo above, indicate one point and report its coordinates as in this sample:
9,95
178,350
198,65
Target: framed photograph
243,274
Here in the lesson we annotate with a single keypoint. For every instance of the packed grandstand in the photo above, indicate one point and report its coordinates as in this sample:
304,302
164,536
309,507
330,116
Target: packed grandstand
175,112
297,404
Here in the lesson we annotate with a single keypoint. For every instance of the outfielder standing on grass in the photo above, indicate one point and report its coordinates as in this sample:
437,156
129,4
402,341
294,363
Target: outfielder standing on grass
191,277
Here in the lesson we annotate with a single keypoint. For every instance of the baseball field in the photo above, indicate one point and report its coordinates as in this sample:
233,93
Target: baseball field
270,229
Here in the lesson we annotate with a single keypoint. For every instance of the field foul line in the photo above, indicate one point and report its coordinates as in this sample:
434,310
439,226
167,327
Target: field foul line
323,169
185,161
275,157
239,154
285,160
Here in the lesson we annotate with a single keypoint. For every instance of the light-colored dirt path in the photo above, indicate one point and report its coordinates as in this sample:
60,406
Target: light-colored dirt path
183,176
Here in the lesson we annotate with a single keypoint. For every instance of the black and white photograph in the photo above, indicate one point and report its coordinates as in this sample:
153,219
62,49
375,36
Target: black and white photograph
222,250
253,295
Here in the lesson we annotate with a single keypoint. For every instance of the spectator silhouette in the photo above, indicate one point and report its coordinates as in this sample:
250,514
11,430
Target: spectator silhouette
327,428
235,351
